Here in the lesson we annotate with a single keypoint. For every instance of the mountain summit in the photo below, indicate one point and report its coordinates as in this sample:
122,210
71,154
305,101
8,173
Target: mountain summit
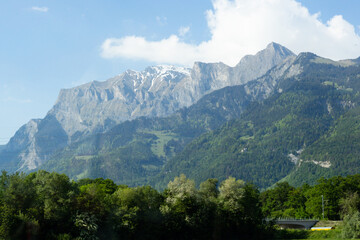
98,106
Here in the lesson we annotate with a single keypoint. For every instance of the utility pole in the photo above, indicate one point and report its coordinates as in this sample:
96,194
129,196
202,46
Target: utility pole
322,202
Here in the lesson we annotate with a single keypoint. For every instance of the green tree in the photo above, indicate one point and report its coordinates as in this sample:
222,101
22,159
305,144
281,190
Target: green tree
239,210
351,228
275,201
18,197
231,192
136,212
295,204
349,204
87,225
208,188
186,212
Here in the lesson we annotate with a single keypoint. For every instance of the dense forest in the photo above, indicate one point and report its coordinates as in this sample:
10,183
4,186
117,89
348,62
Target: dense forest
307,129
43,205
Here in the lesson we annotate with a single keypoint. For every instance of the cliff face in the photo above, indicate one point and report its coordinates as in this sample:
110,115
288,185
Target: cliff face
97,106
156,91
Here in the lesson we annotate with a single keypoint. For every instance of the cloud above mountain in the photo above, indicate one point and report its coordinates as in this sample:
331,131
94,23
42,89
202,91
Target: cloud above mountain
240,27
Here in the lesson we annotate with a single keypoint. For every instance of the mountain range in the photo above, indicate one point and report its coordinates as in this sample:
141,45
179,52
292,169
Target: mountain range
275,116
98,106
307,129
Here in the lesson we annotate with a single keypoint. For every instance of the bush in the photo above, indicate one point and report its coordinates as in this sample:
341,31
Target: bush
351,227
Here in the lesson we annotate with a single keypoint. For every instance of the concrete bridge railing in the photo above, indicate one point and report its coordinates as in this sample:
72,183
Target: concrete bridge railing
295,223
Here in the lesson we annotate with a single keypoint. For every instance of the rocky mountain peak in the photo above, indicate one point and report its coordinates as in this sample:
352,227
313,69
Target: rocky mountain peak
271,54
156,91
278,49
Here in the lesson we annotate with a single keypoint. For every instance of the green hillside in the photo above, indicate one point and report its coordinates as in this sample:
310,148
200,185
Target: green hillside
306,129
291,135
340,147
134,151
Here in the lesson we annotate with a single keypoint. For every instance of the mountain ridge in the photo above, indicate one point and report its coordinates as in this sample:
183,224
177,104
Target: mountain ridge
290,136
209,113
156,91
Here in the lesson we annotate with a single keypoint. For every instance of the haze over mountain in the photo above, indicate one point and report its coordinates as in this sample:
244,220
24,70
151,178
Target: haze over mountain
98,106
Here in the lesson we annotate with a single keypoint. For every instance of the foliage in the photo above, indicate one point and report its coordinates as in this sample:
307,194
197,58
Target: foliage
351,227
256,147
87,226
349,204
44,205
340,196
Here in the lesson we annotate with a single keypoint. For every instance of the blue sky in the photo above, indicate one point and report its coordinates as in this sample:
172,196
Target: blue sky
49,45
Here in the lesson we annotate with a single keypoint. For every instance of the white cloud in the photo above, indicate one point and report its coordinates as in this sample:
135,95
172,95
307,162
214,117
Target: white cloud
40,9
183,31
169,50
240,27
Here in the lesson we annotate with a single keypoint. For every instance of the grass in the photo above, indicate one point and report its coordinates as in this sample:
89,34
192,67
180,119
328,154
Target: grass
246,138
328,223
333,234
86,157
307,234
163,138
320,60
329,83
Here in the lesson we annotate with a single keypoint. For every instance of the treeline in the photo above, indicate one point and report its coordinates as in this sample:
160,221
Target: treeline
44,205
336,198
340,196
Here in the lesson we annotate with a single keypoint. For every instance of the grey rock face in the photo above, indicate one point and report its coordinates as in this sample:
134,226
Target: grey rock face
265,85
156,91
251,67
15,150
97,106
32,144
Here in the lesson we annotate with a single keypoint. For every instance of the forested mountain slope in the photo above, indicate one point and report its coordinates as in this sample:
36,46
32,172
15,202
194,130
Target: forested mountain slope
308,129
136,150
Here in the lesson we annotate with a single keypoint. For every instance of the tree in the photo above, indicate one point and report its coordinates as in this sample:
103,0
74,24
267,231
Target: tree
295,204
351,228
208,189
349,204
231,192
185,211
87,225
136,212
274,200
239,210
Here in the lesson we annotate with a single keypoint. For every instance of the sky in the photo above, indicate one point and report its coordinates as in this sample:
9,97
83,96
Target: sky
48,45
